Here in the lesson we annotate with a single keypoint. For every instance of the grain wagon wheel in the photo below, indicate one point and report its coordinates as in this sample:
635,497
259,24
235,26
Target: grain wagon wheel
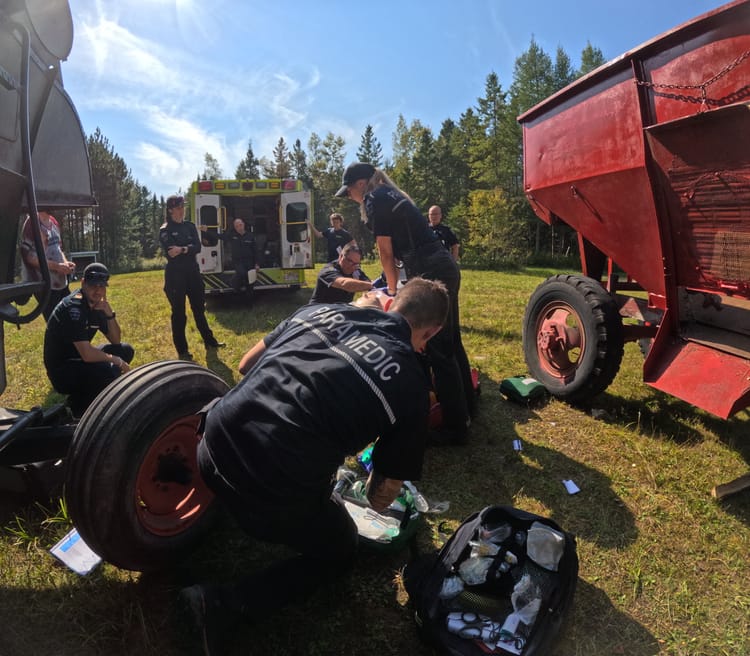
132,485
572,337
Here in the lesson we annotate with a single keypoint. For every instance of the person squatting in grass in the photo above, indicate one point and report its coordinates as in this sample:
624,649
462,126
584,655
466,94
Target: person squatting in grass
180,243
75,366
323,385
403,233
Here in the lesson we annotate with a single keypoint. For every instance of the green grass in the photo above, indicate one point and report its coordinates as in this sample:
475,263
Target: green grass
663,567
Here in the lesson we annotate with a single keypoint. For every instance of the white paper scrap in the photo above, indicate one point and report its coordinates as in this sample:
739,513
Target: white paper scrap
571,487
75,553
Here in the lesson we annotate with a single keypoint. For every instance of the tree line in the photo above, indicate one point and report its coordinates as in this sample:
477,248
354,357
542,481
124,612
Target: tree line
472,168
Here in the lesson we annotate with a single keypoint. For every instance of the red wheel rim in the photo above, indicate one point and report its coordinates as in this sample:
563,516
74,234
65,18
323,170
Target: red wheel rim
170,493
560,340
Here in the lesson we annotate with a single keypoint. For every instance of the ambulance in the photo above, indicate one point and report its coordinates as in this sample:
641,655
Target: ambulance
278,212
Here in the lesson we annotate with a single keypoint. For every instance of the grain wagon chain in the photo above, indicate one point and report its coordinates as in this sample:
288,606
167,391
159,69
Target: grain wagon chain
701,87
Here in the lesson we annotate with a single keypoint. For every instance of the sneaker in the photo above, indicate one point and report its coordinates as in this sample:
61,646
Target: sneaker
214,343
207,619
185,355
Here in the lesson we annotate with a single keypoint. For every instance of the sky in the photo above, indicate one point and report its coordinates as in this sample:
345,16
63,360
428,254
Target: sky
167,81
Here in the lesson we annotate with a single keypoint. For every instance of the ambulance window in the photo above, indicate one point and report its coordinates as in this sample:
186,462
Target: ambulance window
296,212
209,218
296,222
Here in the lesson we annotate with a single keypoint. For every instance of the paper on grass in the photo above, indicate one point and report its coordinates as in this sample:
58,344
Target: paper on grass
75,553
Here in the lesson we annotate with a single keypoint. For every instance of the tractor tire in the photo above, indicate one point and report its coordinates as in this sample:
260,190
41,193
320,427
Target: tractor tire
132,485
573,337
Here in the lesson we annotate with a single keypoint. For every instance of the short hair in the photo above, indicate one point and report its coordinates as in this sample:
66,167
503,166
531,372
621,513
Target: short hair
424,303
350,248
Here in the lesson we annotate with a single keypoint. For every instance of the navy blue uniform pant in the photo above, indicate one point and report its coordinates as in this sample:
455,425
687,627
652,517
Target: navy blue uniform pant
177,287
83,381
450,365
321,532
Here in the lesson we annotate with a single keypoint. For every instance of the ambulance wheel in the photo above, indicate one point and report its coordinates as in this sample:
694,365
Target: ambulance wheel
132,487
573,338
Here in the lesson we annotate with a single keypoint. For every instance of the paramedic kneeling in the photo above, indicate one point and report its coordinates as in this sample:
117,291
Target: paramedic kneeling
325,383
74,366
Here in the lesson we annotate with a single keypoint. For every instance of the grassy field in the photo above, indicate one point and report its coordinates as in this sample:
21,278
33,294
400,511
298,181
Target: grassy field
663,566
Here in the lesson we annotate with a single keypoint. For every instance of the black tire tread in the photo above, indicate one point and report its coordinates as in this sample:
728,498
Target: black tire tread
609,343
111,433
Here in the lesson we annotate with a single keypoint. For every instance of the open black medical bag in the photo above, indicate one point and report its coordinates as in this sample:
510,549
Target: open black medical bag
502,584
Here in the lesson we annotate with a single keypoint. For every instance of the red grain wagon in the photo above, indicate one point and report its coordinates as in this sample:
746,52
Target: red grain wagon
647,158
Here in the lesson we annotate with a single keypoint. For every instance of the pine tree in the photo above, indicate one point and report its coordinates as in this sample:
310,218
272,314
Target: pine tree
281,166
423,186
298,161
591,58
248,167
113,220
370,149
562,73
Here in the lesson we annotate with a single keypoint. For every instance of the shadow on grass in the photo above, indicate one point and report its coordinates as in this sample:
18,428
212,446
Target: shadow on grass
596,513
661,416
605,631
90,617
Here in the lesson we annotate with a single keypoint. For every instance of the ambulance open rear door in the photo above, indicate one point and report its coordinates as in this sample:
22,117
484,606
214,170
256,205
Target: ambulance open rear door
296,242
209,213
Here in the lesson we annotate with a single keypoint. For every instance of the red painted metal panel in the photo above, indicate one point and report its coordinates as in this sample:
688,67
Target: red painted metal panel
715,381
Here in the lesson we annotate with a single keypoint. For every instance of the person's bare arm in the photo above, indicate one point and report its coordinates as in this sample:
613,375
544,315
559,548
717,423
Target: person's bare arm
381,491
318,234
351,284
90,353
251,357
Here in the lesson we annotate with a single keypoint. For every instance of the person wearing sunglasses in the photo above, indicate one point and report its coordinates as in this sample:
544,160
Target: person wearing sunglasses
340,280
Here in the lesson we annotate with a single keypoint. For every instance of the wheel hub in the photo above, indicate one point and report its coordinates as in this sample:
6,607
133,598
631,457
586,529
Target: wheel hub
559,340
170,494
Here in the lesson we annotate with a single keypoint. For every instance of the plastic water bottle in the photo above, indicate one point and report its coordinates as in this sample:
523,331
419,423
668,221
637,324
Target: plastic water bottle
344,480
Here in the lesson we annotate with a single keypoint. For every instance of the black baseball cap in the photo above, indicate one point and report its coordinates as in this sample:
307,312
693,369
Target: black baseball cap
354,172
175,201
96,274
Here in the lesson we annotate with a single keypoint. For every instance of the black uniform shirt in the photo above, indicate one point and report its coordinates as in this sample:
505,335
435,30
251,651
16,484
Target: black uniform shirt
182,234
242,247
332,379
324,290
336,239
445,235
71,321
391,214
